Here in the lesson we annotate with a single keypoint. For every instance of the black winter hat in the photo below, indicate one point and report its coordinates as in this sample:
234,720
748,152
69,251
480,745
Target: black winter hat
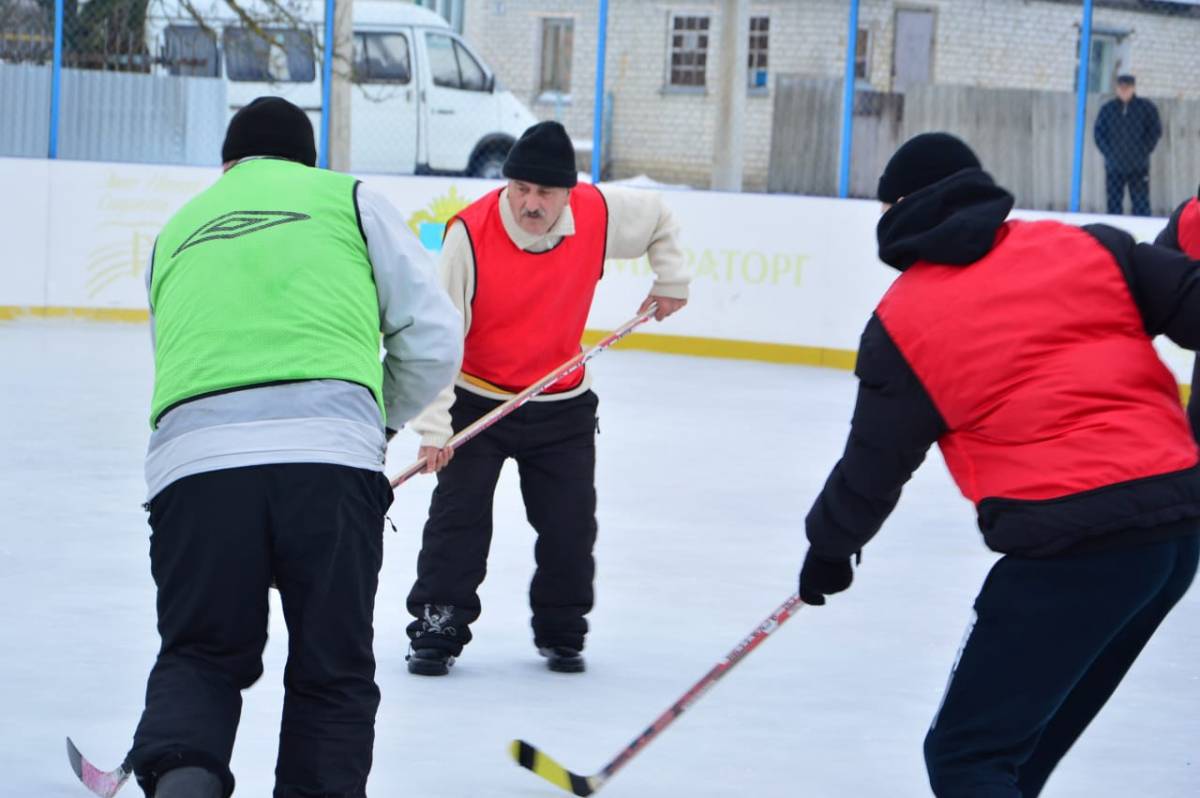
922,161
543,155
270,126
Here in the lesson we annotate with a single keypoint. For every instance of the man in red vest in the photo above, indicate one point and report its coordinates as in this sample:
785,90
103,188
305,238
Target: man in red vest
1023,349
522,264
1182,234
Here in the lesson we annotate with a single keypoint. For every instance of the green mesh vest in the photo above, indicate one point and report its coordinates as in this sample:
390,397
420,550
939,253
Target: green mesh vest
264,278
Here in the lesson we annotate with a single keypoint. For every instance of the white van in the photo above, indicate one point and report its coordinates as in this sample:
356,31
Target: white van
423,101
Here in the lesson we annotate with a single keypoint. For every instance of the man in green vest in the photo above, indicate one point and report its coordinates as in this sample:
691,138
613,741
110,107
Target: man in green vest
271,411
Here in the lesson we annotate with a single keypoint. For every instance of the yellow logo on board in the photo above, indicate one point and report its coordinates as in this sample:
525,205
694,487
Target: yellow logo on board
429,224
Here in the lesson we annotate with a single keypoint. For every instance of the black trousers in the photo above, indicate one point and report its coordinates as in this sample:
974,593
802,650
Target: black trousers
219,538
555,448
1139,191
1051,641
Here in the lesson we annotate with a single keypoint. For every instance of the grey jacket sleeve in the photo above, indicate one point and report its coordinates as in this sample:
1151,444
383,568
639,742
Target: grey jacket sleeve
422,330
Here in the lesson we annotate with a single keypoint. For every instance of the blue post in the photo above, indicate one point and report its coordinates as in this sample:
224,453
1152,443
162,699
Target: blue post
598,111
848,104
56,78
326,84
1085,57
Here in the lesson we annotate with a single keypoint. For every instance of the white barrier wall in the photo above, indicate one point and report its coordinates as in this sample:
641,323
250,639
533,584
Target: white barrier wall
768,269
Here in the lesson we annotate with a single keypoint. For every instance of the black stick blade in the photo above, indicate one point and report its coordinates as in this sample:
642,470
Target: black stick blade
537,762
75,758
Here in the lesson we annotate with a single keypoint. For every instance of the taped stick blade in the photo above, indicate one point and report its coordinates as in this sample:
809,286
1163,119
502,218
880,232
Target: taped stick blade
535,761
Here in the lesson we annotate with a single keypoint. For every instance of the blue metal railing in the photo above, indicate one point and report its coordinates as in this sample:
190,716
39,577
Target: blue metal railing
1081,92
56,78
845,147
598,110
326,84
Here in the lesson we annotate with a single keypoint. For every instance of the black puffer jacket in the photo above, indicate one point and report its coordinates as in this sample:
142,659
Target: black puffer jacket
895,421
1126,134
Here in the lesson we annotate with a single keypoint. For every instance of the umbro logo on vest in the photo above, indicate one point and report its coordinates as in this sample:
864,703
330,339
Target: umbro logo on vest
238,223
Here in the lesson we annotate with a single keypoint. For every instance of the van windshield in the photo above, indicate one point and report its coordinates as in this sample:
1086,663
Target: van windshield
276,55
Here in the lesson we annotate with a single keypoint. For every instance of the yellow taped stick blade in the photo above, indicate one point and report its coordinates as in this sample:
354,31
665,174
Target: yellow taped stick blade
534,760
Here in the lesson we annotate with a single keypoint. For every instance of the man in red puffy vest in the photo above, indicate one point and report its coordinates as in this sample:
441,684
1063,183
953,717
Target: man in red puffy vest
1182,234
1023,349
522,264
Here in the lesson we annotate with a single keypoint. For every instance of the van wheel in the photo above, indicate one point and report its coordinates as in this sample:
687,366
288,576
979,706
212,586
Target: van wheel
489,161
490,166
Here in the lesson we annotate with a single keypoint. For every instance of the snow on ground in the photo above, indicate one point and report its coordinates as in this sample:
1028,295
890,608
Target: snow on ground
706,469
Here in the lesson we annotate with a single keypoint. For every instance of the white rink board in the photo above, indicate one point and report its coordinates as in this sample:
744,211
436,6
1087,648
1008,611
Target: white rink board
24,230
767,268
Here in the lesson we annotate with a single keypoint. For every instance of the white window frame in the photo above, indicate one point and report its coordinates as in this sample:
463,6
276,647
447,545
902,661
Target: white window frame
680,88
554,96
868,57
752,88
1118,41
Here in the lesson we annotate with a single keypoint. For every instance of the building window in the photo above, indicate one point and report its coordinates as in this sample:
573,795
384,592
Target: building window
381,58
862,55
558,36
689,50
1105,62
760,31
276,55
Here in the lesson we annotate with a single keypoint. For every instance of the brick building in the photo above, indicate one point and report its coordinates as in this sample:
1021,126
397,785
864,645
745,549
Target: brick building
663,61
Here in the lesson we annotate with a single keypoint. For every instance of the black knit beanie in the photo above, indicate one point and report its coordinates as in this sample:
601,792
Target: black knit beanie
922,161
543,155
270,126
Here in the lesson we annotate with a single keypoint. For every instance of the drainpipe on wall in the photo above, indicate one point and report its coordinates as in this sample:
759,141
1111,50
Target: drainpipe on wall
729,141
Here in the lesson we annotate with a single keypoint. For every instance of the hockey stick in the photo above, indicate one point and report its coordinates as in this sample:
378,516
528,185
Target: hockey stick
524,396
103,784
107,784
532,759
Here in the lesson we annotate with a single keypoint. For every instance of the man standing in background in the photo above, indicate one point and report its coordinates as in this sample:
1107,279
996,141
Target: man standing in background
268,293
1127,131
522,264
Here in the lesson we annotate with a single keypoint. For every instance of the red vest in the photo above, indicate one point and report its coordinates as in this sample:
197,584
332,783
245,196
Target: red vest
1038,362
529,309
1188,229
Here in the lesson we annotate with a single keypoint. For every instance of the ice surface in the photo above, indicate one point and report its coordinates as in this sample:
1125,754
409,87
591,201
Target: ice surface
706,469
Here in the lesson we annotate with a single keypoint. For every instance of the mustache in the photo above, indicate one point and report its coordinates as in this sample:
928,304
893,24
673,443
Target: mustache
533,214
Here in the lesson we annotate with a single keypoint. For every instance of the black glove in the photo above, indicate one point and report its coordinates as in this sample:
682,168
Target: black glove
820,577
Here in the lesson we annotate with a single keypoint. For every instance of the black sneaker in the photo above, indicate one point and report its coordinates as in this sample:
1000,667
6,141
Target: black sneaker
429,661
562,659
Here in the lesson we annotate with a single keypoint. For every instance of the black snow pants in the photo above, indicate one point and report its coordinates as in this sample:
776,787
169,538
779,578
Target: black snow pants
555,448
219,539
1051,641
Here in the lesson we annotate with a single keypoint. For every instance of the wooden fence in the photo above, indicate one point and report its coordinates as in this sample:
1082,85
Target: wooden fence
1025,138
